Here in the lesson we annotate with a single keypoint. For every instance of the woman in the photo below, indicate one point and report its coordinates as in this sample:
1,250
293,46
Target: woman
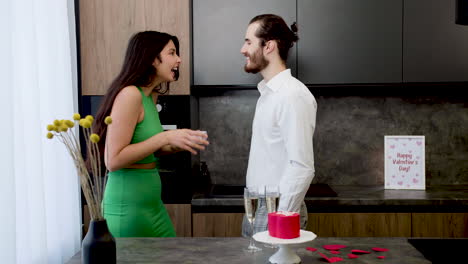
132,199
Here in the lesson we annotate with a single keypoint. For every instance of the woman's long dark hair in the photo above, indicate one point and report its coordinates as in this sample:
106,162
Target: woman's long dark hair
137,69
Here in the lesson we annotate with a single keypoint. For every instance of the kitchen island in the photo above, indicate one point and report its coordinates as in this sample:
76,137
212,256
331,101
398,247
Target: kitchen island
229,250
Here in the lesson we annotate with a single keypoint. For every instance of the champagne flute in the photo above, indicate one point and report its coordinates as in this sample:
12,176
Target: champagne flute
272,195
251,205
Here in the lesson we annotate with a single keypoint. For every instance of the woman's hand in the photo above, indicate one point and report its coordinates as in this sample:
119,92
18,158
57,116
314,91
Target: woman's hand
187,139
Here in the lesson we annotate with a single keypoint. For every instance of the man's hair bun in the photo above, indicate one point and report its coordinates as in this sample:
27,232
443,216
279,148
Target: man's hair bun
294,27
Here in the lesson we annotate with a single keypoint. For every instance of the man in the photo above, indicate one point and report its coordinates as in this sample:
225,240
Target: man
281,151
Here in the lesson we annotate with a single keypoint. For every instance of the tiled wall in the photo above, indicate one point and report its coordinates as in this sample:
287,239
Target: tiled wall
349,136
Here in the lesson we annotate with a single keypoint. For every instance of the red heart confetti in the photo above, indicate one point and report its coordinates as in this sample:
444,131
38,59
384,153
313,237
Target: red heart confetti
333,247
380,249
330,260
323,255
335,259
358,251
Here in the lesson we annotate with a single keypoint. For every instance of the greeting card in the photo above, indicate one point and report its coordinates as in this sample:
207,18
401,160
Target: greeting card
405,162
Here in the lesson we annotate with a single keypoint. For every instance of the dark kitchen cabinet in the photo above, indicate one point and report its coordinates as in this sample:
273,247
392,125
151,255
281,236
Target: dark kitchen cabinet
218,35
357,41
434,47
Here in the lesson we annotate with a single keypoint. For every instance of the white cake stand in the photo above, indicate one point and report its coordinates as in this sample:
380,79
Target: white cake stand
285,255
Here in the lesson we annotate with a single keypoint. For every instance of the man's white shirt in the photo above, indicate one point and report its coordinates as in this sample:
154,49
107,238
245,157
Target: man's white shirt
281,151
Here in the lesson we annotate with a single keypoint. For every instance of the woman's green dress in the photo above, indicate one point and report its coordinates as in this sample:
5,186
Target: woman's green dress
132,199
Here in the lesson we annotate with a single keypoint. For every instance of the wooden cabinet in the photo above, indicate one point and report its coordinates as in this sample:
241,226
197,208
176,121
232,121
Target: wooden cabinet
355,41
389,224
106,27
360,224
440,225
217,224
181,216
447,225
434,47
86,218
218,35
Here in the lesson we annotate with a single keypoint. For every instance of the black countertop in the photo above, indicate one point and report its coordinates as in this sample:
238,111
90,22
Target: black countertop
230,250
443,198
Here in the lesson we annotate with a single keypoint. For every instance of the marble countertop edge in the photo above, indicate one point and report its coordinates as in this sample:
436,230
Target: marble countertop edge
446,195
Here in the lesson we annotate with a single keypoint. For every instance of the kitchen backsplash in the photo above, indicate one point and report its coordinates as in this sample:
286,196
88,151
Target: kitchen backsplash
228,119
349,135
348,140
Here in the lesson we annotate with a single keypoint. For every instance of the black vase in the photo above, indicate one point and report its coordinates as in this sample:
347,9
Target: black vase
98,245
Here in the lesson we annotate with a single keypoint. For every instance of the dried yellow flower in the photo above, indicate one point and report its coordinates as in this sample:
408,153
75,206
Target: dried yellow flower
92,192
85,123
69,123
94,138
90,118
108,120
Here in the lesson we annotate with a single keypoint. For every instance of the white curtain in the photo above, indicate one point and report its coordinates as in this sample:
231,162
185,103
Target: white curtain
40,219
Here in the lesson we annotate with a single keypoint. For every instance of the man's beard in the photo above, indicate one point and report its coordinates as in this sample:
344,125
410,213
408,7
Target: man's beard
257,62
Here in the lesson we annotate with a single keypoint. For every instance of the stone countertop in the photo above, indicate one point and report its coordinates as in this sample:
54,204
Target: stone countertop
449,196
230,250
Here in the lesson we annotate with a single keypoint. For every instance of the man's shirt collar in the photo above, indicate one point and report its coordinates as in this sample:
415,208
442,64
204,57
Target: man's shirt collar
275,83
